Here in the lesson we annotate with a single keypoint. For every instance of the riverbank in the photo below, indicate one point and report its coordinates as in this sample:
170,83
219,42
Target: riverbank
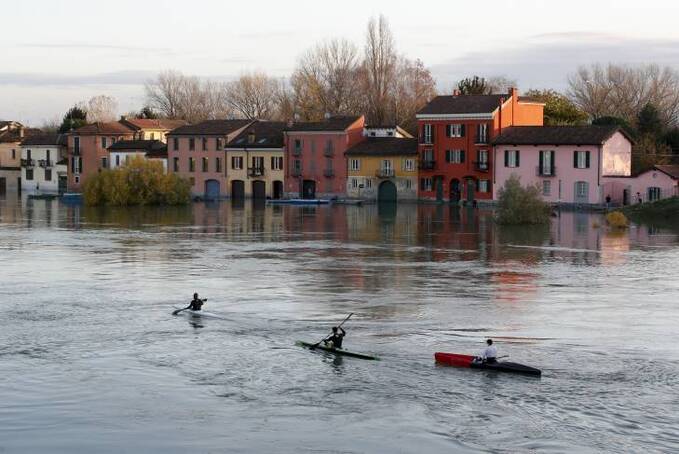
663,211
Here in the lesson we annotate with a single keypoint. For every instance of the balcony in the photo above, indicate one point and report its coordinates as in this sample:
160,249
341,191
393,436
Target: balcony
481,166
329,173
46,163
255,172
328,152
27,163
385,173
296,172
427,164
545,171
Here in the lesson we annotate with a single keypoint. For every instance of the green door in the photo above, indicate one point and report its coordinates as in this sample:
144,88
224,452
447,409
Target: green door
387,192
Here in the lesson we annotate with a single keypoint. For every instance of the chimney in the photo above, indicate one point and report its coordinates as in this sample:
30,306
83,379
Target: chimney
514,92
251,137
123,118
21,132
456,92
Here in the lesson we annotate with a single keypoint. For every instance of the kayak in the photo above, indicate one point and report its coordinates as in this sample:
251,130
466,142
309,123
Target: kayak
454,359
336,351
201,313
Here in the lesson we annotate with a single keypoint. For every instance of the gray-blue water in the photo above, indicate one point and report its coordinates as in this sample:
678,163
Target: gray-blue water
92,361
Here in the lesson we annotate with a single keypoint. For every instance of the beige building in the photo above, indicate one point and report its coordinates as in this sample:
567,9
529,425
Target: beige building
151,129
254,161
11,136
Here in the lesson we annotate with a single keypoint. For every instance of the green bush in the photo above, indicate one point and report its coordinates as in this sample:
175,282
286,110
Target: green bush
140,182
617,220
521,205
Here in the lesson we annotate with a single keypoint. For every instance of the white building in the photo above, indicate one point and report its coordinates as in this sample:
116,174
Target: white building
124,151
44,166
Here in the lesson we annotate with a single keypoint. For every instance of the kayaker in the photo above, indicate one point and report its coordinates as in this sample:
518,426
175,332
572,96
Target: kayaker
489,354
336,338
196,304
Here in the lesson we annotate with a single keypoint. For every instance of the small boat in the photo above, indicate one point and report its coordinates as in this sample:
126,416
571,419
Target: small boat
298,201
336,351
200,313
348,202
454,359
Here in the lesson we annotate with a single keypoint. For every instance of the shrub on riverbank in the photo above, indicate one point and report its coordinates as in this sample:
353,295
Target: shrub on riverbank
140,182
665,208
617,220
521,205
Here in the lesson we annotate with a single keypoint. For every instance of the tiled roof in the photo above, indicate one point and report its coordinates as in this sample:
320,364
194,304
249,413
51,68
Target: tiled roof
463,104
384,146
132,145
45,139
670,169
113,127
211,127
147,123
267,134
556,135
335,123
14,135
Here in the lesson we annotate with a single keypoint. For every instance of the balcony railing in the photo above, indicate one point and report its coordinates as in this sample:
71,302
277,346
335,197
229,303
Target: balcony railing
427,164
328,152
385,173
255,171
328,173
27,163
46,163
481,166
296,172
545,171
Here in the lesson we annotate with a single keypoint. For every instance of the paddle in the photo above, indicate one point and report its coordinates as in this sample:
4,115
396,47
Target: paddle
319,342
189,307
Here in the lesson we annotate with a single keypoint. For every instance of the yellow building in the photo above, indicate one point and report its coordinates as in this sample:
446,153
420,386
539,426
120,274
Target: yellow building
383,168
151,128
254,161
11,135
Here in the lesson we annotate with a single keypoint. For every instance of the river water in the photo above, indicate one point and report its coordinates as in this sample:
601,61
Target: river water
92,361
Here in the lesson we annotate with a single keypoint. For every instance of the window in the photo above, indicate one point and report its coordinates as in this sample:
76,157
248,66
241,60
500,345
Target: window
483,186
373,134
354,164
428,155
175,164
408,184
153,136
29,174
206,165
218,164
48,155
298,146
276,163
76,146
28,154
258,162
192,144
175,143
455,156
409,165
118,160
113,140
428,133
204,143
48,174
512,158
546,163
354,183
482,133
76,165
192,164
76,179
653,194
104,142
104,163
14,153
218,143
546,187
455,130
581,159
425,184
237,162
581,189
368,183
297,165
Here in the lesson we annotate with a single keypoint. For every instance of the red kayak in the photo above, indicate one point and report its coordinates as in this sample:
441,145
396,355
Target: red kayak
454,359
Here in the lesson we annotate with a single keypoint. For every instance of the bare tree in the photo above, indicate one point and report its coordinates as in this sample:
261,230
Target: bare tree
414,86
102,108
164,93
253,95
379,68
500,84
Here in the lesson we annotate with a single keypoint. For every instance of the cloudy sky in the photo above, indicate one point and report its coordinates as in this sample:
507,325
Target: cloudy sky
59,53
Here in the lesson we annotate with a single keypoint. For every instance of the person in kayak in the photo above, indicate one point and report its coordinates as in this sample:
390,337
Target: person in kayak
489,354
196,304
336,338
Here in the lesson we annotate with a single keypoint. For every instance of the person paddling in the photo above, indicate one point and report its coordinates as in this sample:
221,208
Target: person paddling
336,338
196,304
489,354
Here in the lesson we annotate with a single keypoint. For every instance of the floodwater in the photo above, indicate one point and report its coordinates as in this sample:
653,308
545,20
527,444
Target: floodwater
91,360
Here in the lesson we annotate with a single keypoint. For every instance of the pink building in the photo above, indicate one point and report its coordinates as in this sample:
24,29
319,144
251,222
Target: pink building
570,164
197,153
315,165
660,182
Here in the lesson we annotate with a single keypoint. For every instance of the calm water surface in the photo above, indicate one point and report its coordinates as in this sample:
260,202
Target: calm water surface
92,361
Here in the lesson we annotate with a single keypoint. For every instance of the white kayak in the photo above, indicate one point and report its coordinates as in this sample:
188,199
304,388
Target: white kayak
200,313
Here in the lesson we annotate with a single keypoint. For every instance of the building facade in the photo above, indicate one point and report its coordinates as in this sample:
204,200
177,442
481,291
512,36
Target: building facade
315,165
197,153
455,134
255,161
151,129
660,182
124,151
570,164
12,134
44,168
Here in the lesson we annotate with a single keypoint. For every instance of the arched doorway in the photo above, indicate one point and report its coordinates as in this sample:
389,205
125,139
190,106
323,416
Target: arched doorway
212,189
238,189
387,192
277,189
454,190
259,189
308,189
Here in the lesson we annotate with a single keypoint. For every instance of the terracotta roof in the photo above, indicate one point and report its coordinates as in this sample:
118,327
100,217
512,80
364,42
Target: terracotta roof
557,135
211,127
14,135
141,145
267,134
670,169
463,104
335,123
113,127
147,123
45,139
384,146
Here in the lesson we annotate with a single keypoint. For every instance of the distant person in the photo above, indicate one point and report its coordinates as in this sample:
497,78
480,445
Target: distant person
489,354
608,201
336,338
639,197
196,304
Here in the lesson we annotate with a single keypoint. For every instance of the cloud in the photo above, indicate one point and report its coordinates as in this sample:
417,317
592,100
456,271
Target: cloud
41,79
546,60
91,47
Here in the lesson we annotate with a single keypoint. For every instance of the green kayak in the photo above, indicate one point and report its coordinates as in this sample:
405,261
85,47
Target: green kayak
336,351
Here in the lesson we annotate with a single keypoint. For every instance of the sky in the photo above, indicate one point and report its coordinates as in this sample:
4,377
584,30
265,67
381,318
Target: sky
57,53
